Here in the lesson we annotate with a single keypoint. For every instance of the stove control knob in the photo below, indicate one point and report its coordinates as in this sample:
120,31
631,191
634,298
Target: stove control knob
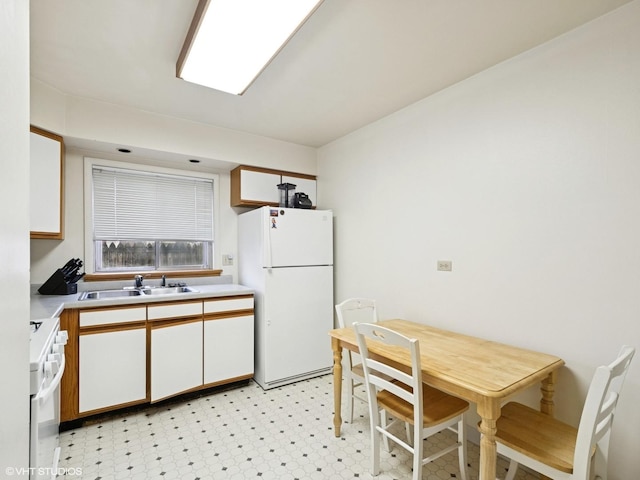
54,357
50,369
62,337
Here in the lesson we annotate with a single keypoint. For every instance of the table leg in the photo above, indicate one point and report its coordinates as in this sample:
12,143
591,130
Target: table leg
337,385
548,389
489,411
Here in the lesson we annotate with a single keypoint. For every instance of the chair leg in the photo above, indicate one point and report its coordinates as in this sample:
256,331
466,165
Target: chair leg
375,443
599,463
383,423
349,390
513,468
462,449
408,428
418,453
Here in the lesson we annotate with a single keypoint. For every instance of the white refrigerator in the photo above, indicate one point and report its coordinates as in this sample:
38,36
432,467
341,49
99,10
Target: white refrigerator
286,256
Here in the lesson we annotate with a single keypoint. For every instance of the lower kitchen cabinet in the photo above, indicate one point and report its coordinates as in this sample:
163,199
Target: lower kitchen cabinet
228,349
120,356
176,359
176,348
112,358
121,379
228,339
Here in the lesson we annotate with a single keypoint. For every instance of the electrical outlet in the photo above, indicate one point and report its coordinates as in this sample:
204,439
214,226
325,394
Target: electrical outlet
444,265
227,259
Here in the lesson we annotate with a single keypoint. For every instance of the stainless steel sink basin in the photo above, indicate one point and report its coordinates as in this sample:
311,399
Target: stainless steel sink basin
167,290
130,292
103,294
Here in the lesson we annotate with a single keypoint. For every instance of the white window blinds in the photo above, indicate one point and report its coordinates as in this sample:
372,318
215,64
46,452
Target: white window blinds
129,204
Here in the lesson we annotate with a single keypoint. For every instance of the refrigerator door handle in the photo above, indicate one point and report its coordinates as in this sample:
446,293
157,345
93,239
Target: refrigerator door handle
267,246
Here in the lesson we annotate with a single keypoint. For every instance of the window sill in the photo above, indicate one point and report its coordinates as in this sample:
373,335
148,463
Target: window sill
100,277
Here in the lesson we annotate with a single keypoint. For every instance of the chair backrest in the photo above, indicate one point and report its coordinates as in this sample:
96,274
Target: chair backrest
361,310
381,373
598,413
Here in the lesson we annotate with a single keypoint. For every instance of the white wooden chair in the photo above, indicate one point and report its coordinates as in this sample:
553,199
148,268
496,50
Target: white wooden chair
560,451
350,311
407,399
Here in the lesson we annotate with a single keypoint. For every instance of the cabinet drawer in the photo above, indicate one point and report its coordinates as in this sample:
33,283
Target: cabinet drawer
90,318
228,304
175,310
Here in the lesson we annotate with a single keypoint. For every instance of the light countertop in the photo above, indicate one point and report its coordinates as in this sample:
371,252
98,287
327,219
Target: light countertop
47,306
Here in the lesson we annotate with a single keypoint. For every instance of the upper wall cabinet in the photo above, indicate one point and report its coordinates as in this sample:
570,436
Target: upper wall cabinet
255,187
46,185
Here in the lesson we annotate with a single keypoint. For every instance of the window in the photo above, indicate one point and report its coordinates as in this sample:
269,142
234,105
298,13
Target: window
150,219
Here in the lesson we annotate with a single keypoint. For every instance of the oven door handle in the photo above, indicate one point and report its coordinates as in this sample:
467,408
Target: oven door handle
43,395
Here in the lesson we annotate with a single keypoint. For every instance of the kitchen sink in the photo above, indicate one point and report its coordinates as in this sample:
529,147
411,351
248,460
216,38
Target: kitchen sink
130,292
167,290
103,294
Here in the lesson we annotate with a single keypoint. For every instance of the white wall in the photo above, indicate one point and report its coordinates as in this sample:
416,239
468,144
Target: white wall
526,177
14,221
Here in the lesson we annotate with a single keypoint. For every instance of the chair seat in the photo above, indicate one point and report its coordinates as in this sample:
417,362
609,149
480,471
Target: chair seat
557,450
537,435
437,406
358,371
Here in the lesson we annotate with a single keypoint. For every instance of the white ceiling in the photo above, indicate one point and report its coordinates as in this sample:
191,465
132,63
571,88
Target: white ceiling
353,62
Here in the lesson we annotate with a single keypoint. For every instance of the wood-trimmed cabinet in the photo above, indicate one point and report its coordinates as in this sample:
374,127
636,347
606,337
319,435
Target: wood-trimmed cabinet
127,355
175,357
228,339
46,185
112,360
256,187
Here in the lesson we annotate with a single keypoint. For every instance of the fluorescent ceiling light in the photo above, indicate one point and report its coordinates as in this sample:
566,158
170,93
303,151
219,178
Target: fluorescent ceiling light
230,42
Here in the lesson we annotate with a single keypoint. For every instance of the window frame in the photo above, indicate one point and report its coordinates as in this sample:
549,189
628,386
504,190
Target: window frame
89,244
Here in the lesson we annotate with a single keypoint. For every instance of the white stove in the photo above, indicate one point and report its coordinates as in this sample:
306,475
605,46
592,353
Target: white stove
46,366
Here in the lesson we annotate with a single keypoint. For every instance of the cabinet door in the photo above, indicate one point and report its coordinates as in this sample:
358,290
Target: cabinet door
228,348
259,187
46,185
112,369
176,358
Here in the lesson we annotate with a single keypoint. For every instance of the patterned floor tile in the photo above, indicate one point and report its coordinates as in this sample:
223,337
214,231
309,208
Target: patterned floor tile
285,433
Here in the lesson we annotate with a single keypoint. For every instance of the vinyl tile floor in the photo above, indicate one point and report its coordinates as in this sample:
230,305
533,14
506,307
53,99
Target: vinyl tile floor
245,432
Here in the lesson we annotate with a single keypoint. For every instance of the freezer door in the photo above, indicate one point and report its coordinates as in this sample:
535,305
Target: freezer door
297,237
298,314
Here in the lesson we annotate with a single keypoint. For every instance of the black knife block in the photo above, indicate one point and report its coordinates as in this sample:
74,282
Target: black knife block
57,285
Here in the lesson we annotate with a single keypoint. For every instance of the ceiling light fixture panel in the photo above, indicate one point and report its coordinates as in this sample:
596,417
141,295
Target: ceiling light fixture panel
230,42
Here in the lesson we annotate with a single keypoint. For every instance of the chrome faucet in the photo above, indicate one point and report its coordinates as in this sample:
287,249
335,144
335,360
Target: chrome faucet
164,281
138,280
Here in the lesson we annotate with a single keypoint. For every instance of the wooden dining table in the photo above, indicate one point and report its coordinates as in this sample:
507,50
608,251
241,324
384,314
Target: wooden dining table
480,371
